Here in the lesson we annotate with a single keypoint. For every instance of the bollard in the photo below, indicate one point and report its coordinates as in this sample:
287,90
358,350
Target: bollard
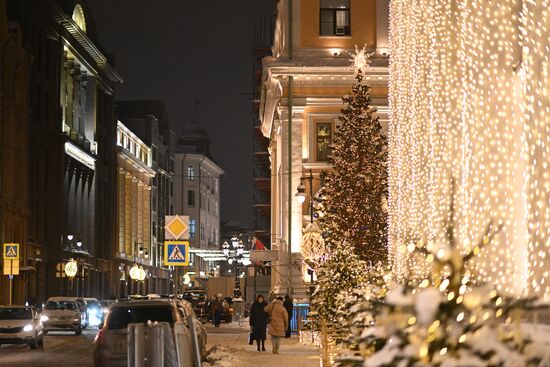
136,345
155,345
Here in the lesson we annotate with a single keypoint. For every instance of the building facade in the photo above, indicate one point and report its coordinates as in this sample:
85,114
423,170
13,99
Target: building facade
149,121
71,149
15,64
303,84
197,192
135,172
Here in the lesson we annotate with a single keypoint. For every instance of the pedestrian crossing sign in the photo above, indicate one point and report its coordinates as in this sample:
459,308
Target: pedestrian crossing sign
11,251
176,253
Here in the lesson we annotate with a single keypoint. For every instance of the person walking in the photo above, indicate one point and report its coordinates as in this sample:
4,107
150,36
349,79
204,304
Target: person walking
278,322
289,306
258,321
215,308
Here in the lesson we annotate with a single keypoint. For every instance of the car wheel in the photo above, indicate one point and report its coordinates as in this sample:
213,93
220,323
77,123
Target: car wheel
45,331
78,331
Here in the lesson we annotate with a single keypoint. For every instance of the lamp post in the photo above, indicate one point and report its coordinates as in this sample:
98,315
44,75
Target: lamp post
236,255
301,193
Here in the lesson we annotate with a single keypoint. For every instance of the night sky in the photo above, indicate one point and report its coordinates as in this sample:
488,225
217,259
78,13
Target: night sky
177,51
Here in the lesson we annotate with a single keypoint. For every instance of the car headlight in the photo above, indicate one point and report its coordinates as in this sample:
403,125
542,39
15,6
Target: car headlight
44,318
28,328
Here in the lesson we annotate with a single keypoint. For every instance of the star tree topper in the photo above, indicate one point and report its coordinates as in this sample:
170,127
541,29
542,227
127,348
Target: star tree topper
360,59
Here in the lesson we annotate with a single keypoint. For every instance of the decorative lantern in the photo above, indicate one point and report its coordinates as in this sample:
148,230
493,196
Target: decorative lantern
71,268
313,245
134,272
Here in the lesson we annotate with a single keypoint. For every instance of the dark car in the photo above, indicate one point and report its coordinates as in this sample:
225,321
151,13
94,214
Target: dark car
197,297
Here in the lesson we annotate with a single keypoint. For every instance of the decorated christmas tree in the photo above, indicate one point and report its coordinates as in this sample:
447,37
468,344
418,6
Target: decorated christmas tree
352,202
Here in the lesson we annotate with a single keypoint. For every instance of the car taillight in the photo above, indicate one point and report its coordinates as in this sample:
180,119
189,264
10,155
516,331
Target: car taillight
100,337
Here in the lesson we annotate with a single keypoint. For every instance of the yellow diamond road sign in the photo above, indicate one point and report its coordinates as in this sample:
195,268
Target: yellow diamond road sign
176,227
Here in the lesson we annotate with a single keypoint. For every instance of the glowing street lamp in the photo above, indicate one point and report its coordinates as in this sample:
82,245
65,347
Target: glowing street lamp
71,268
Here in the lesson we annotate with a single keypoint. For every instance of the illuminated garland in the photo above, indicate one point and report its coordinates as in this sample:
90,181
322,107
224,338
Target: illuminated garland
470,101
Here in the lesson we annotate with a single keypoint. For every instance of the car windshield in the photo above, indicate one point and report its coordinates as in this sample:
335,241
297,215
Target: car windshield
105,303
15,314
120,317
60,305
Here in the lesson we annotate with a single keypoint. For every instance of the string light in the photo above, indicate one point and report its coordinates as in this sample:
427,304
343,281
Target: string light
470,102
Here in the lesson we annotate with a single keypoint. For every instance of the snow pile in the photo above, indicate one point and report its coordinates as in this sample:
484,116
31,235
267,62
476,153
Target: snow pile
221,356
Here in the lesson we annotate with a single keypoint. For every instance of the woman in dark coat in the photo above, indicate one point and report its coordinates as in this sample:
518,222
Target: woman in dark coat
259,321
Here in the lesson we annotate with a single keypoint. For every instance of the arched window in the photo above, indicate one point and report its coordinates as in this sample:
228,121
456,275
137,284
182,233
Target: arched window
78,17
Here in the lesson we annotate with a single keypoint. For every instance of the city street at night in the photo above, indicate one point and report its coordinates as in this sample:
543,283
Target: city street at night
275,183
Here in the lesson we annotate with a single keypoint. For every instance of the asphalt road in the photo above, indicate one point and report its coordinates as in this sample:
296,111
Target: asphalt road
60,349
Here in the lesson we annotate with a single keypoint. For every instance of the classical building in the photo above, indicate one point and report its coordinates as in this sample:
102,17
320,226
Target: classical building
303,84
148,120
71,149
197,191
15,64
134,160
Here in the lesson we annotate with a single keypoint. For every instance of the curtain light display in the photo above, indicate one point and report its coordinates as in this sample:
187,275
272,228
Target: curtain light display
470,103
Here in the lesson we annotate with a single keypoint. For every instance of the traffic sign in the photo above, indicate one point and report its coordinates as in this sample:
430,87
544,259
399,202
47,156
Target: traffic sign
176,253
11,267
11,251
177,227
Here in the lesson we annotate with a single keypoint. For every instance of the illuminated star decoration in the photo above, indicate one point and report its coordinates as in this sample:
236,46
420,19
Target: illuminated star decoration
360,59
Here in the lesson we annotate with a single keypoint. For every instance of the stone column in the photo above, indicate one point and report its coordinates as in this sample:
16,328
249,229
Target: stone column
135,215
128,214
121,211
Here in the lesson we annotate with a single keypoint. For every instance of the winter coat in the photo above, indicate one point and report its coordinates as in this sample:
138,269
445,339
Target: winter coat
258,320
215,306
278,318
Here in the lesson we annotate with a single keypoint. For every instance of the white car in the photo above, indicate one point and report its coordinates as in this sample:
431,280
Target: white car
21,325
62,313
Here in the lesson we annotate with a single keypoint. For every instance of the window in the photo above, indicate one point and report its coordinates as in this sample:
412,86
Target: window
191,198
323,140
202,232
192,228
191,173
335,18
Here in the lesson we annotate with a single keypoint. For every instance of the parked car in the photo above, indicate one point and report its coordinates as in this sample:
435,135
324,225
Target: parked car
21,325
197,297
111,347
62,313
94,312
187,309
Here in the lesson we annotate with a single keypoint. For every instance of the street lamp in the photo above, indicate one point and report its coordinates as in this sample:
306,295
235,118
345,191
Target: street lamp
234,256
301,193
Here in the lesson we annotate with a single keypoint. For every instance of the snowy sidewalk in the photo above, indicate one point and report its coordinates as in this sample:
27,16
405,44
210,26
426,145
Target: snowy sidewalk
228,346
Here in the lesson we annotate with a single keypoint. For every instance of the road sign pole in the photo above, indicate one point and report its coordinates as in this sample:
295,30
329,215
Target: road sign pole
11,281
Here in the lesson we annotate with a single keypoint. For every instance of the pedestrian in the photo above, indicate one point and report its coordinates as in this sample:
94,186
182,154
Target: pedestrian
215,308
289,306
258,321
278,322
